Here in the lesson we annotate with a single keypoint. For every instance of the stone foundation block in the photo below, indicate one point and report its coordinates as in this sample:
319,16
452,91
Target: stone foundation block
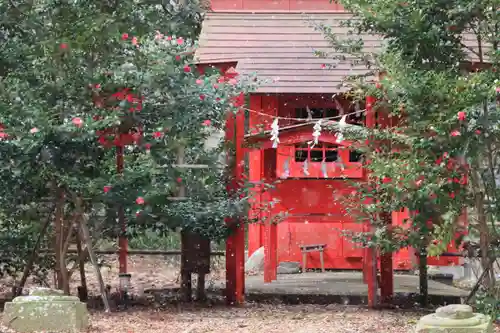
455,318
46,310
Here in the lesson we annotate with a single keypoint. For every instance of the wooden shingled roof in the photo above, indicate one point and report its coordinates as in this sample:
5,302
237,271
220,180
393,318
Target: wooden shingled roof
279,48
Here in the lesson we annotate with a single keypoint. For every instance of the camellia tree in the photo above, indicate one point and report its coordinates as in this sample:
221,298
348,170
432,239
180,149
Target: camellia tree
437,85
91,76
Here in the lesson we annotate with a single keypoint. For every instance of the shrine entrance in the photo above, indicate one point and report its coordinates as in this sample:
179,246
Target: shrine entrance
311,181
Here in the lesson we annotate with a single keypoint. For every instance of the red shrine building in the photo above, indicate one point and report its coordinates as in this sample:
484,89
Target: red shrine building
277,40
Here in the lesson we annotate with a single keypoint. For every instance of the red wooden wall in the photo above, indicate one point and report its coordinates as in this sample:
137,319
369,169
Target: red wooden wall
313,207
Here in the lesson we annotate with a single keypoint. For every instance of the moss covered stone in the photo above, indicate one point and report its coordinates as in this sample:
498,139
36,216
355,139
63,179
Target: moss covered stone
46,310
455,318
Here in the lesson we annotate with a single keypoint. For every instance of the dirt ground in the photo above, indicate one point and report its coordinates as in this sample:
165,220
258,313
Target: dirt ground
156,272
148,272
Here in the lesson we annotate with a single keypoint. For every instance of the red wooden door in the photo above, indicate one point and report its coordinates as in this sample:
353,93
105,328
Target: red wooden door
315,214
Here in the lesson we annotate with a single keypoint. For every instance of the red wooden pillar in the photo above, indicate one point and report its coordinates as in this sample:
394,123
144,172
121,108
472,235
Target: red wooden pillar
256,174
370,256
270,228
235,244
386,262
386,272
122,239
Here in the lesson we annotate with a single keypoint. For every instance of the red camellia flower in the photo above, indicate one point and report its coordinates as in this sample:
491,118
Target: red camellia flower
77,121
3,135
187,69
461,116
202,97
323,66
63,46
180,41
207,122
157,135
139,200
169,37
147,146
178,57
125,36
34,130
477,132
135,41
378,85
455,133
106,189
452,195
199,82
386,180
179,180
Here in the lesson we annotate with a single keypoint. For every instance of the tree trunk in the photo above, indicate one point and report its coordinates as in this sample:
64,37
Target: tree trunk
83,290
423,279
484,238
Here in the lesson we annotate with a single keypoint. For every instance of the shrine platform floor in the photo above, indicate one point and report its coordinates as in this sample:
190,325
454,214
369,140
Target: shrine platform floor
338,287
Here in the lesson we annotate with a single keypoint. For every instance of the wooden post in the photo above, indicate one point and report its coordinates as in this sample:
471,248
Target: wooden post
386,271
386,264
270,227
235,244
255,175
269,244
370,255
186,277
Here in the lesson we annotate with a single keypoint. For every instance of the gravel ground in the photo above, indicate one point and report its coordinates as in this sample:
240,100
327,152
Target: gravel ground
258,319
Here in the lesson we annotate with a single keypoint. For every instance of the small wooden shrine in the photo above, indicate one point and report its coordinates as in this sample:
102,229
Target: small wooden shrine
276,40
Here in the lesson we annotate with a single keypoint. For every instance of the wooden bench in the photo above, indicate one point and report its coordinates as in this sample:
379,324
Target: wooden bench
305,249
